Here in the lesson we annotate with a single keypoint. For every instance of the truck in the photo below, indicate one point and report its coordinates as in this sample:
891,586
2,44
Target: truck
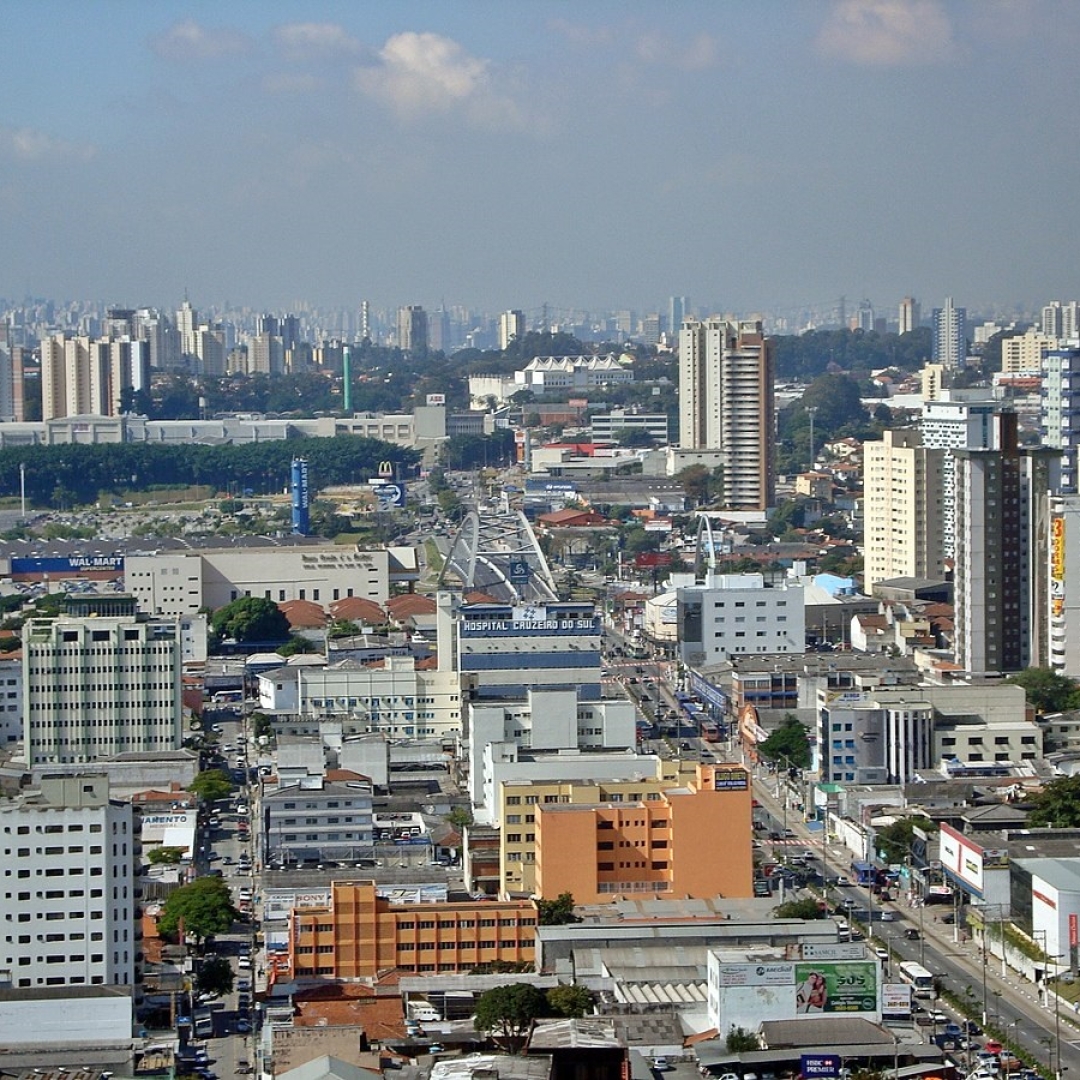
203,1023
423,1011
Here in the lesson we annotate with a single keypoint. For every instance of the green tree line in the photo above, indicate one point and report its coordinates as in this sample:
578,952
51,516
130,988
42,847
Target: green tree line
72,474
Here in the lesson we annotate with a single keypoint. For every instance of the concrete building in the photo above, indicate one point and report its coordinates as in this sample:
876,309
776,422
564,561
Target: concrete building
81,376
359,935
863,740
903,508
511,327
412,329
950,335
69,904
652,845
100,681
1060,411
551,722
1023,354
608,427
956,420
1001,581
318,821
11,701
910,315
732,614
726,403
395,697
183,582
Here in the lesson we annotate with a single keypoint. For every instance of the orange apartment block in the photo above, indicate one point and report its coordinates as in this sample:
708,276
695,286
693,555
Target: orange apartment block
693,841
359,935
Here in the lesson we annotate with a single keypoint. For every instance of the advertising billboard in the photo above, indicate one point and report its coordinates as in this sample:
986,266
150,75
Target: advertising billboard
961,858
756,974
1057,567
836,988
731,780
820,1066
896,999
71,564
389,496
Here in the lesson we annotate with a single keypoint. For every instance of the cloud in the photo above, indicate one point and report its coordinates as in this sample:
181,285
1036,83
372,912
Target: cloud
887,33
305,40
427,73
28,145
189,41
702,52
578,34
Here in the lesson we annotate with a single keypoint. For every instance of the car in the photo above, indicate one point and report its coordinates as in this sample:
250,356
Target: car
936,1016
660,1064
953,1031
243,1027
775,835
244,963
841,881
888,916
971,1028
912,933
243,1066
992,1046
881,953
807,855
213,857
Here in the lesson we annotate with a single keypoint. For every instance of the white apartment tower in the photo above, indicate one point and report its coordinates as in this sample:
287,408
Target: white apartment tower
100,681
903,499
950,335
68,903
956,420
910,315
511,326
1060,411
726,404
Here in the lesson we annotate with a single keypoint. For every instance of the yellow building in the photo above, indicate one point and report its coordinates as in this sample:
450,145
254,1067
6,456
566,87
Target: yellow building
519,799
359,934
691,838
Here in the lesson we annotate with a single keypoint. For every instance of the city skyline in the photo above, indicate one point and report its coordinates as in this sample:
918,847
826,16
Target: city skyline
753,157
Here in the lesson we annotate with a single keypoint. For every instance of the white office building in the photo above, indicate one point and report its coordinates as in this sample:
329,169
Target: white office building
96,685
316,820
68,903
1060,410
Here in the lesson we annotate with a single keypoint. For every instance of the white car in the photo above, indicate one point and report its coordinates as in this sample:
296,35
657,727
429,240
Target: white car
881,953
244,963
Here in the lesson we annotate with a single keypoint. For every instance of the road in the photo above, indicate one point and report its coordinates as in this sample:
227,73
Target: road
1011,1003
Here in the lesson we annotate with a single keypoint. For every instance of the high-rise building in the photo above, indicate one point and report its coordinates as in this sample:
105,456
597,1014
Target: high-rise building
11,388
950,335
187,322
1023,354
100,680
266,355
1060,411
53,379
69,852
412,327
440,338
903,491
1001,580
511,326
956,420
726,404
1051,319
910,315
210,350
678,309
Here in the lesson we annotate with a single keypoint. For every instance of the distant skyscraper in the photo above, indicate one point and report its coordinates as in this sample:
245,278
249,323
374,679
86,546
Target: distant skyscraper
678,307
187,322
1060,411
412,326
1001,574
1051,319
864,320
266,354
511,326
910,314
650,329
726,403
950,335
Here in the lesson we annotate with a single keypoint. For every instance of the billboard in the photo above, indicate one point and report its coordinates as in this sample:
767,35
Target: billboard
731,780
389,496
647,560
820,1066
72,564
961,858
756,974
1057,567
436,399
836,988
896,999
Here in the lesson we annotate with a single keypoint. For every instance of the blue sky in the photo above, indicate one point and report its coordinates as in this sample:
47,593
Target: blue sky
751,154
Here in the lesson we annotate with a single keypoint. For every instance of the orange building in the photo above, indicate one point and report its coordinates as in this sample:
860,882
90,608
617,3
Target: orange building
358,935
691,841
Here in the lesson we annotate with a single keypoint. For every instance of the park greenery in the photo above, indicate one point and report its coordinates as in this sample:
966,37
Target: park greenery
76,474
203,908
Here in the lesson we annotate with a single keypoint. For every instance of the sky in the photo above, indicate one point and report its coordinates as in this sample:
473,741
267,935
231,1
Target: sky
753,155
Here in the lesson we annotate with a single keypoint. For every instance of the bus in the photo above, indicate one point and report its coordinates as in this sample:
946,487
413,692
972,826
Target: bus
710,731
920,980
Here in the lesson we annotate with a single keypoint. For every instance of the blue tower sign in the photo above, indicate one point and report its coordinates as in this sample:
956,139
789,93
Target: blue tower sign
301,498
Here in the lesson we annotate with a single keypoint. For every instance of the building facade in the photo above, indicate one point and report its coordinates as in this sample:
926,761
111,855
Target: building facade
96,685
1060,411
318,821
726,402
68,906
903,483
950,335
359,935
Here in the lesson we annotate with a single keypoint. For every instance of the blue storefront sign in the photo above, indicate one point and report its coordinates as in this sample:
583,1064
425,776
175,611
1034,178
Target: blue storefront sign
820,1066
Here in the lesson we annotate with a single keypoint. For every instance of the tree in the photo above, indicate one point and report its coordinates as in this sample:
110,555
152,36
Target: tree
507,1012
788,744
211,785
460,817
799,909
165,856
215,976
251,618
261,727
894,841
741,1041
557,912
204,907
1047,691
1057,806
573,1000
